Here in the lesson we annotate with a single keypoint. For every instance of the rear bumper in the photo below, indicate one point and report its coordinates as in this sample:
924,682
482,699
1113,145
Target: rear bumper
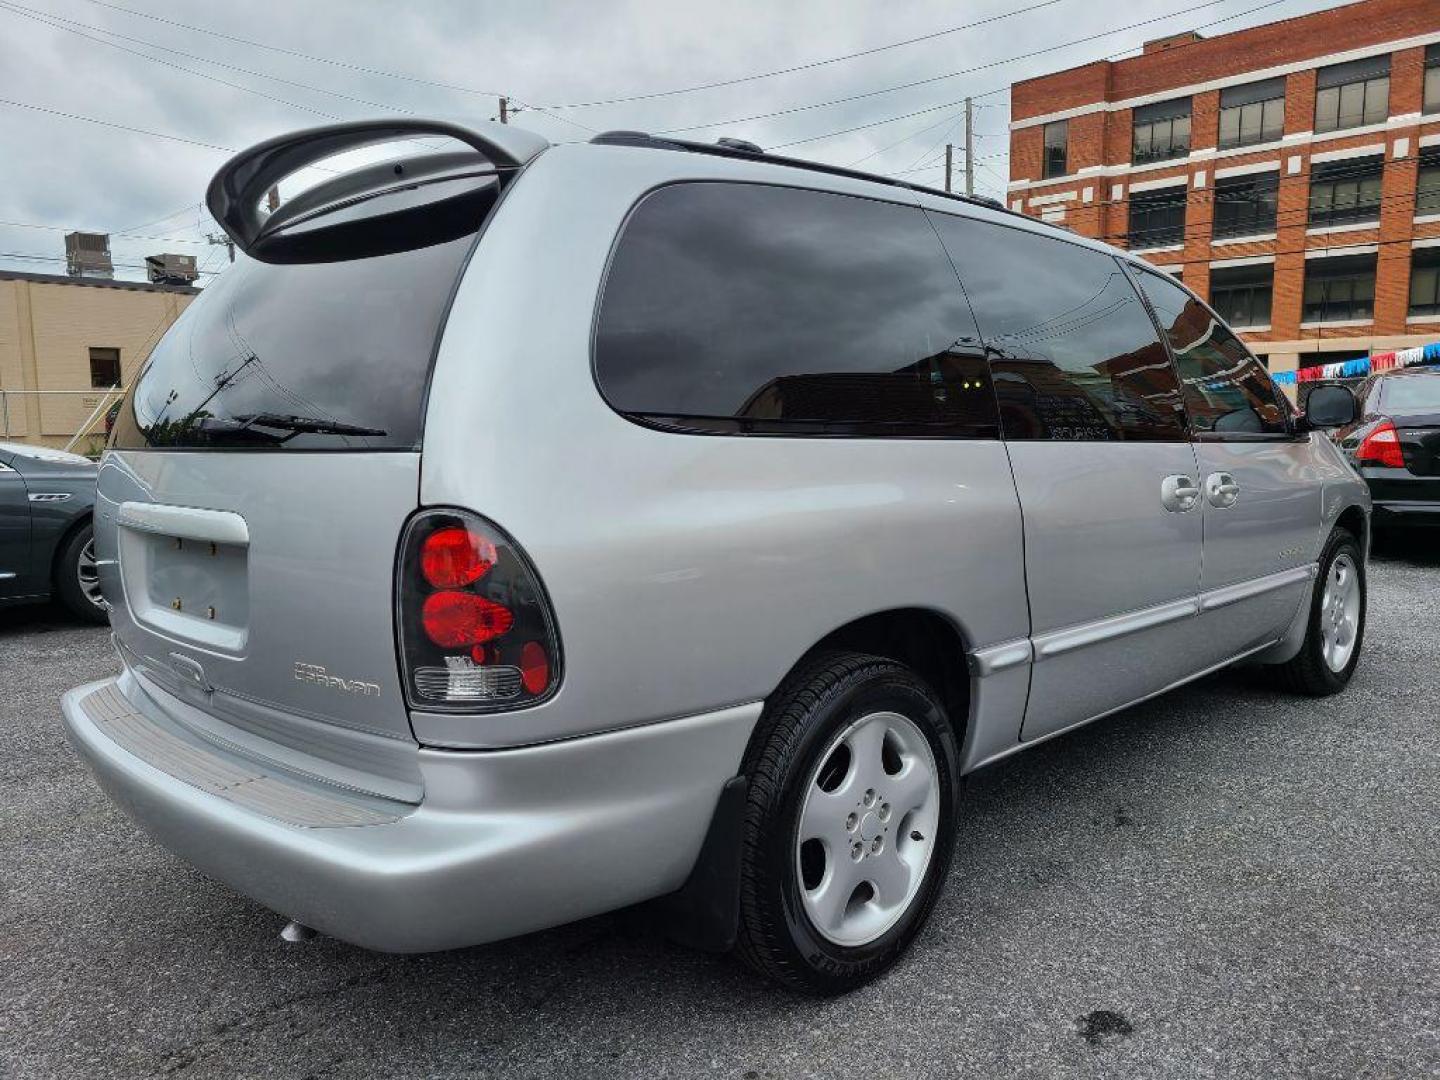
1404,514
502,843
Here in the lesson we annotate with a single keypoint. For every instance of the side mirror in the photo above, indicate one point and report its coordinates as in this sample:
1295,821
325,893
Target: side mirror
1330,407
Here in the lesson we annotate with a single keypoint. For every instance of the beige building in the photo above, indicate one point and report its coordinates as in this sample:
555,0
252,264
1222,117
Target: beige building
65,342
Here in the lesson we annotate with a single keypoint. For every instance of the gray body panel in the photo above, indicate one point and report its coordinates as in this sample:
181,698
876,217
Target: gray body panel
44,494
688,574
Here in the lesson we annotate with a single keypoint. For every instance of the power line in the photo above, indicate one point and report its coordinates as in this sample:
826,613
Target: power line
60,259
126,235
946,75
802,67
18,8
1002,89
118,127
26,13
301,55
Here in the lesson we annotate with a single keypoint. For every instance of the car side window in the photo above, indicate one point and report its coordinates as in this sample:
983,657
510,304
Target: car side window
1073,352
1226,389
752,309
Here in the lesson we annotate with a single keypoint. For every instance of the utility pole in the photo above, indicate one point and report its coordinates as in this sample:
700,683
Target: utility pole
222,239
949,163
969,148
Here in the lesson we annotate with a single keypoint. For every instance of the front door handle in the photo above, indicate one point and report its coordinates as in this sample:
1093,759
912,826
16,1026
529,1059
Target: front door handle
1221,489
1179,494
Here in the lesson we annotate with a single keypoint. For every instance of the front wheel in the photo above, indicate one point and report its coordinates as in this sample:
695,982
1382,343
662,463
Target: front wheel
77,577
850,822
1331,650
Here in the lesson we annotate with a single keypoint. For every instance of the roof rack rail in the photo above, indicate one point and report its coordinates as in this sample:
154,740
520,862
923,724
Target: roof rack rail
742,148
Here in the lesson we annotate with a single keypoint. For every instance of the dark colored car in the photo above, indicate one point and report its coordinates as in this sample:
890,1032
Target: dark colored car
1395,445
47,548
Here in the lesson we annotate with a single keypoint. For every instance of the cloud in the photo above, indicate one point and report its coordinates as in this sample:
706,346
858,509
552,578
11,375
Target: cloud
71,174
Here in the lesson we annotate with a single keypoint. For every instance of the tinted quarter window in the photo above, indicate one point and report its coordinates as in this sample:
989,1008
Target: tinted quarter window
1226,389
756,309
304,356
1074,353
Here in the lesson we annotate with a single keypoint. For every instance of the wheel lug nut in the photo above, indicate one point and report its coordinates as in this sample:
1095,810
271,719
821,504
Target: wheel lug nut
876,845
885,811
869,799
857,851
851,822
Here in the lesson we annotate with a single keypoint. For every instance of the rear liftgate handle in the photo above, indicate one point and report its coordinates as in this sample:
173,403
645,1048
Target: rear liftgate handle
1179,494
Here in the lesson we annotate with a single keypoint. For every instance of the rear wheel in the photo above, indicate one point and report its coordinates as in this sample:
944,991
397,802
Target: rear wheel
77,577
850,822
1331,650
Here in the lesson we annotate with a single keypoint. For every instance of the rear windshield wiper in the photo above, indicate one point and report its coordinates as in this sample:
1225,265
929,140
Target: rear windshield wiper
303,425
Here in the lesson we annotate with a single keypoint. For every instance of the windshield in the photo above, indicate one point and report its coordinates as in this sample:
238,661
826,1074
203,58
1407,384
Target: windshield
1411,394
309,356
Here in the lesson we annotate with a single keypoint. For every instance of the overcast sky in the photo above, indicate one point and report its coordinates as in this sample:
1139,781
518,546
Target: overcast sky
70,173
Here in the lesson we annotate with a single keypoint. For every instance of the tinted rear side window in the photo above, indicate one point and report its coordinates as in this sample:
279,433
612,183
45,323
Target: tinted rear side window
743,308
1075,355
310,356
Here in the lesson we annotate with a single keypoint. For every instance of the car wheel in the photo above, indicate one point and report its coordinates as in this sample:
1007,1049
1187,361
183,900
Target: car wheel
1331,649
77,577
850,822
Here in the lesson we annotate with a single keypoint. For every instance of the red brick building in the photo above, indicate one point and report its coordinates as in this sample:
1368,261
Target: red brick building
1289,174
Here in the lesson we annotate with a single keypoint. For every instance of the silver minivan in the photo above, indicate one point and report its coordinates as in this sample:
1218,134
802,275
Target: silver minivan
520,532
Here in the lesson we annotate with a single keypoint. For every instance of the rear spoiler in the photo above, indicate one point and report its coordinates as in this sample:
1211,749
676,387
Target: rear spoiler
235,193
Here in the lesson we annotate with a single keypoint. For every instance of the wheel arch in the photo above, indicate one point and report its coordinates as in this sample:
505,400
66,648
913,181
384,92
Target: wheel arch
1354,519
86,517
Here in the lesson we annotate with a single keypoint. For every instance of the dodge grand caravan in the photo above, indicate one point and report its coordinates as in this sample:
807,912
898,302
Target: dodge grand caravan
524,532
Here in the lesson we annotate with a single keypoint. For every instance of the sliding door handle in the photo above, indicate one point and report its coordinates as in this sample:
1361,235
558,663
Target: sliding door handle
1179,494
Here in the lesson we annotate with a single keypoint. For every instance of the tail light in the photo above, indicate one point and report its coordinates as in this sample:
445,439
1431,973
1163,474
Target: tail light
476,630
1381,447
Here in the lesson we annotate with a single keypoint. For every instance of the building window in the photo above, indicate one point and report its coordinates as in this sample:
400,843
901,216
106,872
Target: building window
1162,131
1246,205
1346,192
104,368
1241,294
1253,113
1157,218
1425,282
1432,79
1353,94
1340,289
1427,190
1057,137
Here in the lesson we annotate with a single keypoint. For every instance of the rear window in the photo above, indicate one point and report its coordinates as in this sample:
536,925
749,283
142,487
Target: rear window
308,356
1413,393
750,309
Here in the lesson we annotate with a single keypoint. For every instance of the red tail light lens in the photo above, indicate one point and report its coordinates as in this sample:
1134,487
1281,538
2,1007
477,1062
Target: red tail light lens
476,630
457,620
1381,447
452,558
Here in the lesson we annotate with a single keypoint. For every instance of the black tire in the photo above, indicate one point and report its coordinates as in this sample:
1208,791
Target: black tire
67,578
818,702
1308,673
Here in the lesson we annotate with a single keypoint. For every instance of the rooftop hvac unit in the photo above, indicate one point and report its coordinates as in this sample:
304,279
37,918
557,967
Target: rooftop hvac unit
88,255
171,269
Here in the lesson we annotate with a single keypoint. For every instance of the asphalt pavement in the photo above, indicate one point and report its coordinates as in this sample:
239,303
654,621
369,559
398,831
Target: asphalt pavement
1223,882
